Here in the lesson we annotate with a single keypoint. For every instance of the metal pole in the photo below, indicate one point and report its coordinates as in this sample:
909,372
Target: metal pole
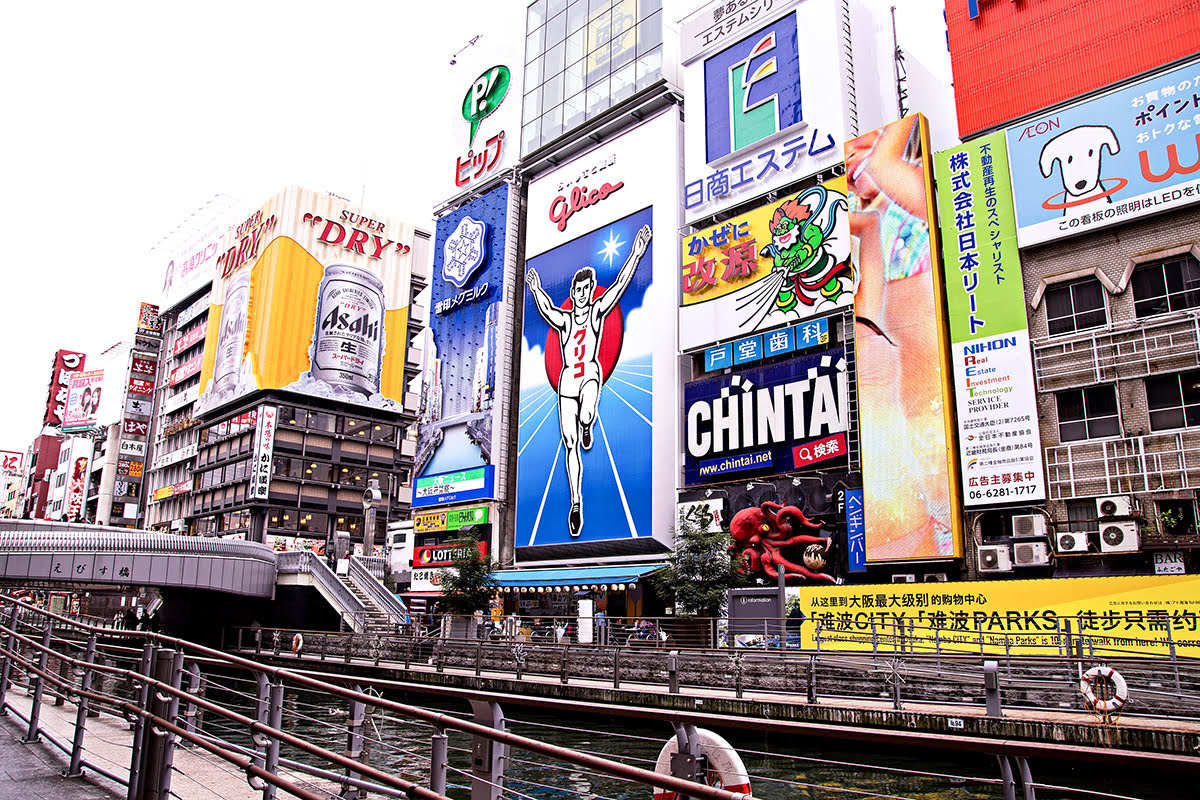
39,684
438,761
274,720
172,661
191,714
10,648
139,723
1006,778
354,743
85,685
487,757
1174,660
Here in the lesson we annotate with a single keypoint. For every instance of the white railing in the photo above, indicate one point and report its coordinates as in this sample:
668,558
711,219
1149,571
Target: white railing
1131,464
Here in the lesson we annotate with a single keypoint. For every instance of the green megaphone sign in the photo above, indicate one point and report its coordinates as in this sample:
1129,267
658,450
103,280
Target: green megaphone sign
484,97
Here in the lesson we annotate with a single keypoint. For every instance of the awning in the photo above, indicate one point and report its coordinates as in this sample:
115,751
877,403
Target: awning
573,579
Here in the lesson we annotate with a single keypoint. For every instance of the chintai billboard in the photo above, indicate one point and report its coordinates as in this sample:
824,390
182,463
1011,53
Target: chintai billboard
597,437
311,297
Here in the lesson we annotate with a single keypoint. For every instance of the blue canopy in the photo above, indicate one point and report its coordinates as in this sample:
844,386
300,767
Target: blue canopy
574,577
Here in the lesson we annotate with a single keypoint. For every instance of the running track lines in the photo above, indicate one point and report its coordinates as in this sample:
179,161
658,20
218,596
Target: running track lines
634,385
538,396
549,414
537,522
616,476
617,395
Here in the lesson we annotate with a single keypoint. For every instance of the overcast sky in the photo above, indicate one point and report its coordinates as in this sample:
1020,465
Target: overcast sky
121,119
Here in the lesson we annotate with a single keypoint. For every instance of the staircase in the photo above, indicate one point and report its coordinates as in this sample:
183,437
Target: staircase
384,613
378,620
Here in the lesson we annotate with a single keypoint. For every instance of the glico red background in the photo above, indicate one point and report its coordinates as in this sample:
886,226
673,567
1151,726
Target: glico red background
1020,56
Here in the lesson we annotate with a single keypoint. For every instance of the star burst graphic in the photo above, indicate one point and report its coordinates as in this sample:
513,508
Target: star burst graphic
612,247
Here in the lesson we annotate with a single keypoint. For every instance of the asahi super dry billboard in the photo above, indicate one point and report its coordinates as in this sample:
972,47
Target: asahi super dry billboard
312,296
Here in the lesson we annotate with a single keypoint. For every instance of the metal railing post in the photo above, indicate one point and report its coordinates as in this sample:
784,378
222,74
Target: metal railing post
170,670
145,668
10,649
438,761
354,745
274,720
1174,659
39,684
812,679
617,667
262,744
85,685
191,713
487,757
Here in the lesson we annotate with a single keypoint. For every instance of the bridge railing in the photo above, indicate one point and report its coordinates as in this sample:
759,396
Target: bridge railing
35,536
176,692
373,587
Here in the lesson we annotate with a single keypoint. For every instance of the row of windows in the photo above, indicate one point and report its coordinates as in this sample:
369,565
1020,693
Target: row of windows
582,57
350,427
1092,413
1160,288
1178,517
303,469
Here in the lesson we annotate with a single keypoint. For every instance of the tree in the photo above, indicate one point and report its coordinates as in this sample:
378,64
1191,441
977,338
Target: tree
467,585
700,570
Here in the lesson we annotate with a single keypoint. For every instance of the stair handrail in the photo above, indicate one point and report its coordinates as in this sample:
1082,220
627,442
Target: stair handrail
379,594
308,563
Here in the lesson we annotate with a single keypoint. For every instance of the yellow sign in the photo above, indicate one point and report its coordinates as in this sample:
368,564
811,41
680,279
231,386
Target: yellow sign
427,523
1143,614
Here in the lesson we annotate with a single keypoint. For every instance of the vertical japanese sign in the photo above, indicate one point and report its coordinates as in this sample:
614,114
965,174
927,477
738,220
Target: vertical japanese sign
999,446
264,448
856,532
911,504
65,363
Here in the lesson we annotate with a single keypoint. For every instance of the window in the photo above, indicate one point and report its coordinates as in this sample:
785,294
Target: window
1167,286
1088,413
1075,307
1178,517
1174,400
1081,516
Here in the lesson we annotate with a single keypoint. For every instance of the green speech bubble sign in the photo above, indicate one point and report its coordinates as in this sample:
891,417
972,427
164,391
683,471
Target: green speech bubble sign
485,96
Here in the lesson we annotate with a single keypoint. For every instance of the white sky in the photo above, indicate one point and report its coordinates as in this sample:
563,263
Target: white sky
120,119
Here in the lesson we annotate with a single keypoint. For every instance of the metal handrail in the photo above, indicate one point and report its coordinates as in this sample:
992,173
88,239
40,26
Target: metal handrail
156,693
377,592
20,535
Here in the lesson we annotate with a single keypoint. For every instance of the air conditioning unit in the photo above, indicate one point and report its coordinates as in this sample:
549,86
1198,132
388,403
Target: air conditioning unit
1027,525
935,577
1031,554
995,558
1071,542
1120,505
1118,537
904,577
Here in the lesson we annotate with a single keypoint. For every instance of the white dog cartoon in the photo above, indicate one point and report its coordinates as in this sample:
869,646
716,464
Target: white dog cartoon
1078,152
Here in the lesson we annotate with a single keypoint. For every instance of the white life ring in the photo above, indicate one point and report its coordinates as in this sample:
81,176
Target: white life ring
725,767
297,644
1087,686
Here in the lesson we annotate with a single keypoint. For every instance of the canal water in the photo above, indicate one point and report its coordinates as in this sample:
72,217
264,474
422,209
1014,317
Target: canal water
781,767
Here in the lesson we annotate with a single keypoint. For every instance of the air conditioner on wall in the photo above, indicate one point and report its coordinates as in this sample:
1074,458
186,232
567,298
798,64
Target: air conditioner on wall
904,578
1031,554
995,558
1026,525
1071,542
1118,537
1120,505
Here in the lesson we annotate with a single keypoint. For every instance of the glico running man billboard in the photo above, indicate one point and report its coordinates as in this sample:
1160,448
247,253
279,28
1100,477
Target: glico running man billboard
771,419
597,438
312,297
457,417
911,504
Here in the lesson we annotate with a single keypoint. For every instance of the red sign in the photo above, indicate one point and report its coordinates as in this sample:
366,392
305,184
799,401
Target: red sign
149,323
1012,59
441,555
819,450
65,363
131,427
187,369
146,367
78,487
139,386
188,339
11,461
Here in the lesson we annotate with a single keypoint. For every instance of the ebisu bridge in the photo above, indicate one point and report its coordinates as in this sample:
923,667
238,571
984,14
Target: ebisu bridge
206,583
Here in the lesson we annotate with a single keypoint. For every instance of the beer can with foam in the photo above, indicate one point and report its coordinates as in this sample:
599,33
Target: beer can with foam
231,341
348,339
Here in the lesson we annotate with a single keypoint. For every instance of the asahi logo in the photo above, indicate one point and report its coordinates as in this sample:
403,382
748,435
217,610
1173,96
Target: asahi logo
344,320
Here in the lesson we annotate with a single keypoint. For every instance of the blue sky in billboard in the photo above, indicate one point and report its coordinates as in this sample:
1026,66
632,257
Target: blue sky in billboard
616,471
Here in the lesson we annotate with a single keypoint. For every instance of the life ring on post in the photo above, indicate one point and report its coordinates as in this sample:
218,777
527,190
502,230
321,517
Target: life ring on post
725,767
1107,705
297,644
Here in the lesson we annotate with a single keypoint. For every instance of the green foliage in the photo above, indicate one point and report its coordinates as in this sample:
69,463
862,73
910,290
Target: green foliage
700,570
467,585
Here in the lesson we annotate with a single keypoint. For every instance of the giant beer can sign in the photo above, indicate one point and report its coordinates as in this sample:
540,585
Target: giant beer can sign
347,348
311,296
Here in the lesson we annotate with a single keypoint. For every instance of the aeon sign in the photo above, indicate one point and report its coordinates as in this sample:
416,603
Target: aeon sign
752,89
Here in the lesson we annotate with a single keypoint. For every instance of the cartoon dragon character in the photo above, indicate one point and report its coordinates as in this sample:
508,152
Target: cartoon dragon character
762,533
809,272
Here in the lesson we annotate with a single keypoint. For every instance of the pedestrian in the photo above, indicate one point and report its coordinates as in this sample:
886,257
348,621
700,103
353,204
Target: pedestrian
601,626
